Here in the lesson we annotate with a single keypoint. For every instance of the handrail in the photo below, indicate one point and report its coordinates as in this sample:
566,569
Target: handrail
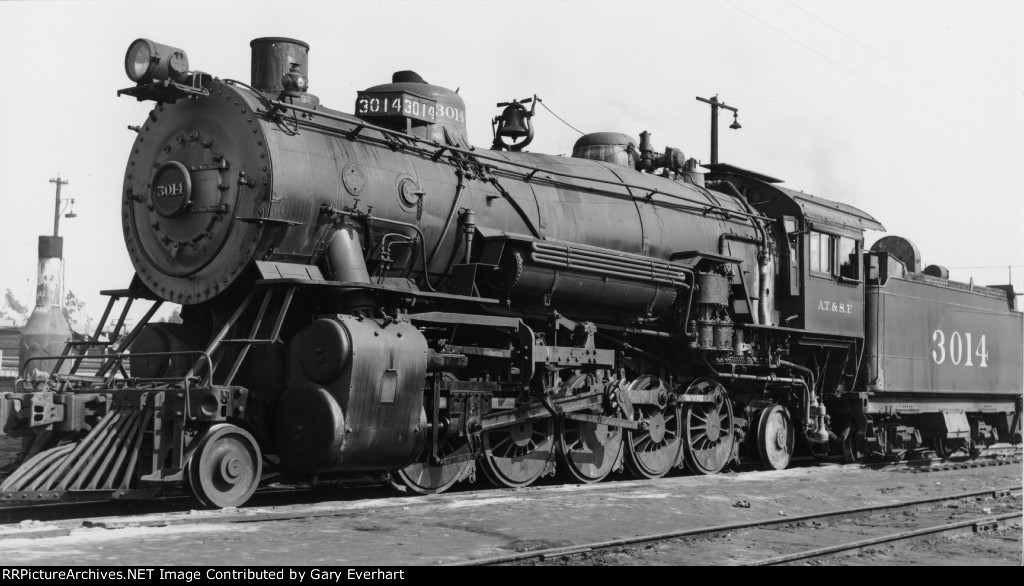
349,119
118,359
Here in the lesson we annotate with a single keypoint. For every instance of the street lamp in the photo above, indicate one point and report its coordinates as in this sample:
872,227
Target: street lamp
715,105
57,210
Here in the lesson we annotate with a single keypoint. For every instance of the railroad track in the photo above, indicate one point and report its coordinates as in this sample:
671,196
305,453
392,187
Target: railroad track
982,523
975,525
992,457
290,495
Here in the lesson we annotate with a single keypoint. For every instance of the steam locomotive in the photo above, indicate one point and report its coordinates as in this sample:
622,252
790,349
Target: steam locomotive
368,295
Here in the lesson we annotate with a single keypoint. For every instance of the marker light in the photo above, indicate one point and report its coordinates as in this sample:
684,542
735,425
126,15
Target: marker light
147,61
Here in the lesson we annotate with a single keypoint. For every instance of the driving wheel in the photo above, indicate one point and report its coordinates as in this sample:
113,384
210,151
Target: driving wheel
708,429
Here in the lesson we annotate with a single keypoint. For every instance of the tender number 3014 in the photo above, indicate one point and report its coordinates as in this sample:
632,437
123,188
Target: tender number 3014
958,349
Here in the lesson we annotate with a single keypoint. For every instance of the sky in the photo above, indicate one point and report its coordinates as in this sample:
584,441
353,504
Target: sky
908,110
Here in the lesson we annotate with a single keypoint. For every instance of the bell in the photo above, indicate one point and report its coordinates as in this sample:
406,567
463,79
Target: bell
513,123
735,123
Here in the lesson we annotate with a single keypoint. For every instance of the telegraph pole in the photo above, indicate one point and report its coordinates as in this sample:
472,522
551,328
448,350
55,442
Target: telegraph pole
56,205
715,105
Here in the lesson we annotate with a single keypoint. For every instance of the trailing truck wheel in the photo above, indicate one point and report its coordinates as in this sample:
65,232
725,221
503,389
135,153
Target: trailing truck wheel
819,452
854,448
947,448
775,437
225,467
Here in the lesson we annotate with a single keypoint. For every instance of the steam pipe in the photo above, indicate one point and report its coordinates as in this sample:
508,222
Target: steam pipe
346,263
637,331
820,434
762,256
327,210
451,216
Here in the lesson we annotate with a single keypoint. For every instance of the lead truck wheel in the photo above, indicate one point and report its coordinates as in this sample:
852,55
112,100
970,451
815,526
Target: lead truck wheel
225,467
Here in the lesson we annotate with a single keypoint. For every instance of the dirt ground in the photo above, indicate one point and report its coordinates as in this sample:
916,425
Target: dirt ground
380,528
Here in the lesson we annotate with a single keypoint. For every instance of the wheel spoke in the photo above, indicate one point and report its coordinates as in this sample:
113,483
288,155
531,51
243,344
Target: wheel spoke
641,441
498,446
516,456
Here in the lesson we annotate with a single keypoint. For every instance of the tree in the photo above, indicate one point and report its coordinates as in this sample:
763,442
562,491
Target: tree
14,304
173,318
74,312
13,309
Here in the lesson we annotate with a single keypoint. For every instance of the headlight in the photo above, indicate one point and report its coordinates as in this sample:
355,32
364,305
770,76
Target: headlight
147,61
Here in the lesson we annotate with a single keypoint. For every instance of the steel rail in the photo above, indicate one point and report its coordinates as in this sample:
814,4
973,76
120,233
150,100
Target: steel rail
892,538
705,531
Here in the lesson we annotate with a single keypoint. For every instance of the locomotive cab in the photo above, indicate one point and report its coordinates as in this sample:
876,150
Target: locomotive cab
820,281
829,242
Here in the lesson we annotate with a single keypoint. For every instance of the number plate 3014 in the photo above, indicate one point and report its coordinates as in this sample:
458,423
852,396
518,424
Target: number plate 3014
396,103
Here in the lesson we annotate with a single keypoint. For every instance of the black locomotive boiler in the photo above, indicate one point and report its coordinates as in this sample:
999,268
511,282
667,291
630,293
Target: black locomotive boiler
368,295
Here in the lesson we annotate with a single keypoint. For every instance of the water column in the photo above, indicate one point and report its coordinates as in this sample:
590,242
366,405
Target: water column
46,332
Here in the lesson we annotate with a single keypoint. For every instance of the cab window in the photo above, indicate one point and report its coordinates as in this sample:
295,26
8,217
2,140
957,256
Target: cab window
835,256
821,253
849,258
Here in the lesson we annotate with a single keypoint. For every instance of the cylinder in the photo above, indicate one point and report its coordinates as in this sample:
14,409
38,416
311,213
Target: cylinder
712,288
324,349
272,57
